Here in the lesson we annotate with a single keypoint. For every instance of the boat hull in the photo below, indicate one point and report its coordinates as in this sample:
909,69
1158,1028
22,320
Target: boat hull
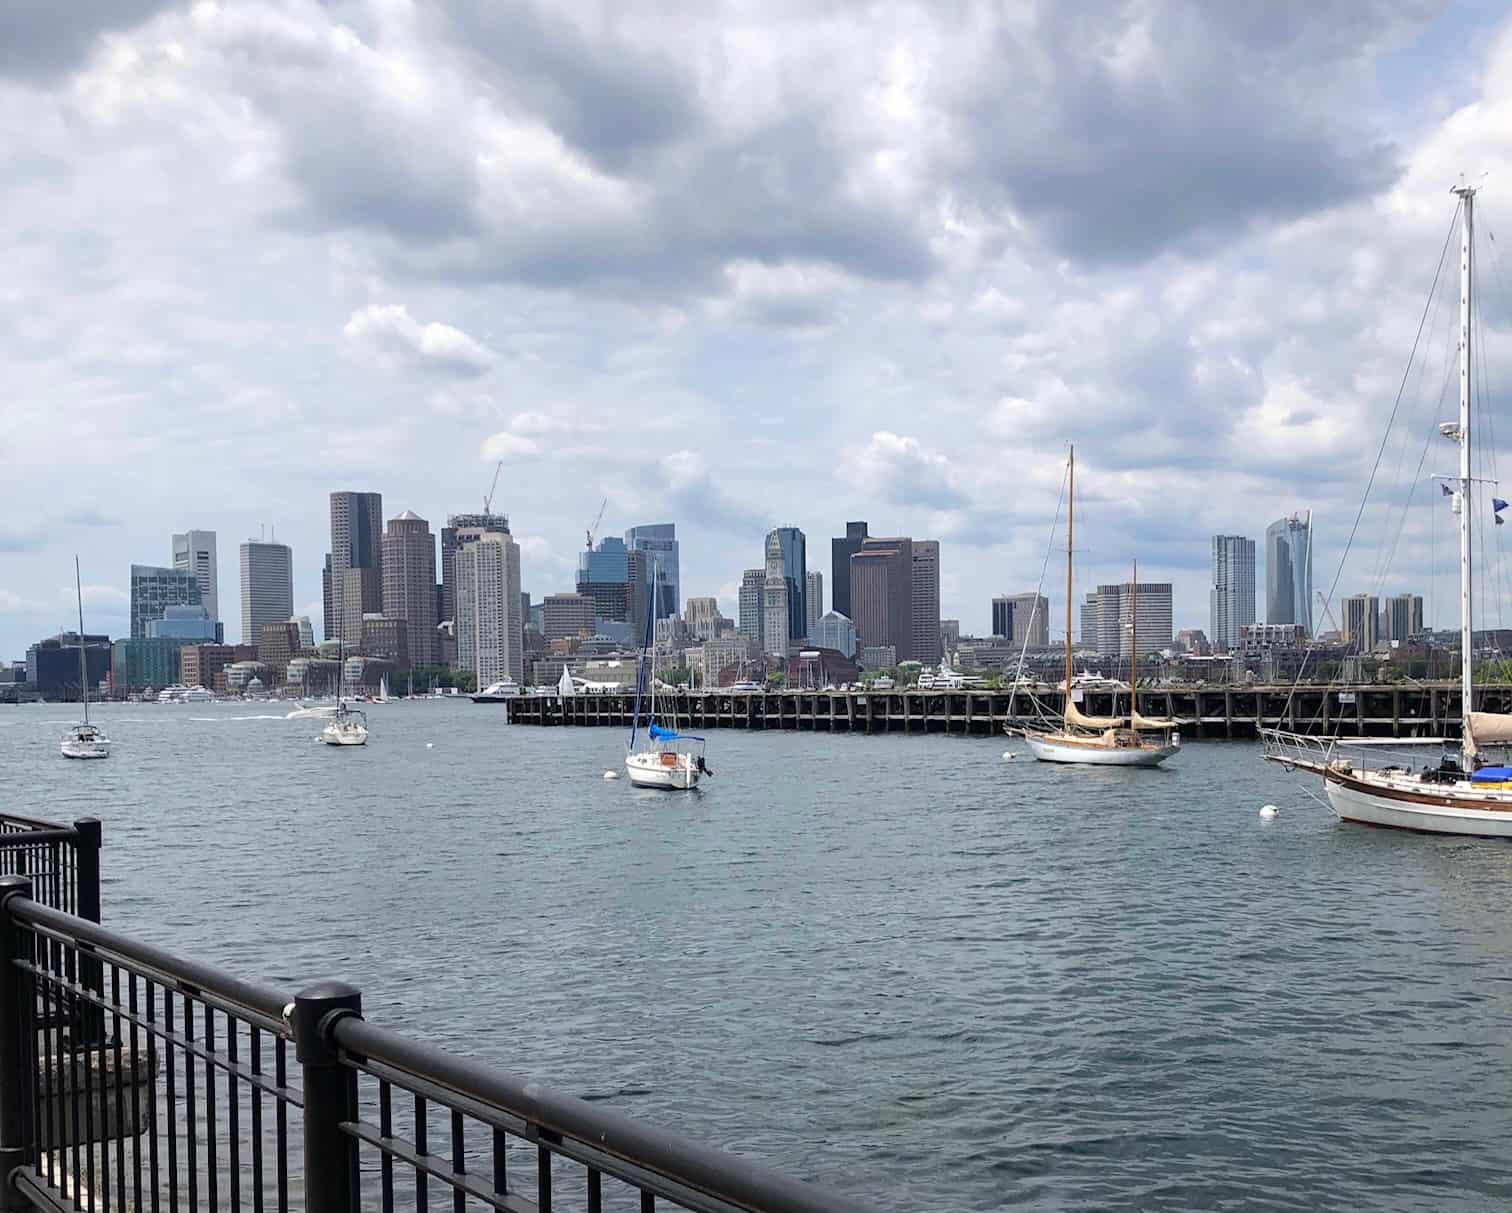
648,771
333,736
85,749
1356,802
1051,750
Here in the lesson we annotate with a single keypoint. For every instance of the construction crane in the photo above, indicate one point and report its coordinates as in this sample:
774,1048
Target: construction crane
598,518
488,501
1327,614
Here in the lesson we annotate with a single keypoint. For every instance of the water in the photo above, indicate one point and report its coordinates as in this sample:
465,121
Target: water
898,965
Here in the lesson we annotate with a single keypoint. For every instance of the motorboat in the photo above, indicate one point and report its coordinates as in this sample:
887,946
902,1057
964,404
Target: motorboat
498,692
83,740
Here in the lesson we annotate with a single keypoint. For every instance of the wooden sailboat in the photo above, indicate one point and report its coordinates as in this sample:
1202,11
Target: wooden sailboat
1101,740
83,740
1462,794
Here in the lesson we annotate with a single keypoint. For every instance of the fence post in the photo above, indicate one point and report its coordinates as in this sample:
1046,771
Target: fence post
330,1097
18,1039
91,971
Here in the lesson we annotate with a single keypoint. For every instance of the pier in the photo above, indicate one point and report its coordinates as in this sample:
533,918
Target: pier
1231,712
132,1078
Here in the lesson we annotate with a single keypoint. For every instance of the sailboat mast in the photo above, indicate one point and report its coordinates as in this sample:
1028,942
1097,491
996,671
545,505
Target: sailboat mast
1070,522
1467,230
1134,647
83,665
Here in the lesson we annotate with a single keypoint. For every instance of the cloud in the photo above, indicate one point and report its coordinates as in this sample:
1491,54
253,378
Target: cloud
897,468
505,445
692,493
390,332
43,39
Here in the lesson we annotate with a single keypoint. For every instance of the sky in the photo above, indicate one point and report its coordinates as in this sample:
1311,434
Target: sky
735,265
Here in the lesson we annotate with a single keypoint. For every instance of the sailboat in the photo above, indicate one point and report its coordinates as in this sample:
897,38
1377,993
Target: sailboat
1462,794
1115,741
84,740
666,758
348,726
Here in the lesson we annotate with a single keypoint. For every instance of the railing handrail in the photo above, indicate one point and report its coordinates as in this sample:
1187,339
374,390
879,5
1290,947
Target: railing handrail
38,837
35,823
706,1169
262,1001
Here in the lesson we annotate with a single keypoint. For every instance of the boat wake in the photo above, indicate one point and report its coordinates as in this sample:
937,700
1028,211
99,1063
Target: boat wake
218,719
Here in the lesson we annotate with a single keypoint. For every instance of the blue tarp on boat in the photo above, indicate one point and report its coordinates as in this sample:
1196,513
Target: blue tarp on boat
660,734
1492,775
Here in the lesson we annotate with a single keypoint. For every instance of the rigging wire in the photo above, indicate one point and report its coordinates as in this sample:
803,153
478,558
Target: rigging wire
1039,590
1486,393
1380,452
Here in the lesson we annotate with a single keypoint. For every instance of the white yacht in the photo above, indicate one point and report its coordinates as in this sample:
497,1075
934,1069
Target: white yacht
666,758
500,691
83,740
348,726
198,695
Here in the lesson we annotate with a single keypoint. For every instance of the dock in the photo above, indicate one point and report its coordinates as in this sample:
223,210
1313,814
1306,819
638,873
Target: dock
1235,712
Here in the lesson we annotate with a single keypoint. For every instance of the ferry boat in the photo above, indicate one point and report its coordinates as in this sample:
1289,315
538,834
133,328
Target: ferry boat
498,692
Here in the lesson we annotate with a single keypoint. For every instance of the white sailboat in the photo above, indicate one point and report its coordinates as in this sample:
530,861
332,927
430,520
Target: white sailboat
348,726
665,759
1462,794
83,740
1115,741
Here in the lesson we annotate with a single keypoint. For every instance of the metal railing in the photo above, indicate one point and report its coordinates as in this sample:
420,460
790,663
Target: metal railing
184,1094
62,861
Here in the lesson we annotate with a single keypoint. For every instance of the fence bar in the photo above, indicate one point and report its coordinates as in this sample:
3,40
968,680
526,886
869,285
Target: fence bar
17,1032
330,1097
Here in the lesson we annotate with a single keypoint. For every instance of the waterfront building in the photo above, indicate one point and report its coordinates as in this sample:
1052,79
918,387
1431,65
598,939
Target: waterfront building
882,595
154,589
878,657
1402,617
459,531
490,634
752,587
278,645
361,596
566,616
136,665
841,551
835,631
1361,621
386,638
194,552
327,603
409,584
1089,613
1289,570
1262,639
658,543
950,635
1194,641
1021,619
52,665
1231,600
185,623
306,631
813,601
1113,616
776,609
703,618
267,587
718,654
926,601
794,549
204,665
356,543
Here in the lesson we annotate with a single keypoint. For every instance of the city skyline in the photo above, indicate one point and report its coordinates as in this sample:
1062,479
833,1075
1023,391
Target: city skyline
910,339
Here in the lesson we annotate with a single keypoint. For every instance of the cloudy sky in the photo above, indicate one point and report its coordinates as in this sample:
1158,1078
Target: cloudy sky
732,265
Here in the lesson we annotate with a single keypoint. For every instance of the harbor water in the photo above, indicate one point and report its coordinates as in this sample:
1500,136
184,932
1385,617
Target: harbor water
902,966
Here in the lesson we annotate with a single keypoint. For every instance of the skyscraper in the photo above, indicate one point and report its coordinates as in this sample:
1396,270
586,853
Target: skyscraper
460,530
356,543
615,578
194,552
1231,601
1288,571
409,582
327,602
813,601
1361,622
926,601
752,586
794,549
776,607
154,589
1021,618
489,628
1110,609
1403,616
659,543
267,587
841,551
882,597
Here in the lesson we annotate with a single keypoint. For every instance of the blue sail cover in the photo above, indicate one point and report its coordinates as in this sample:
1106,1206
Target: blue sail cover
1492,775
660,734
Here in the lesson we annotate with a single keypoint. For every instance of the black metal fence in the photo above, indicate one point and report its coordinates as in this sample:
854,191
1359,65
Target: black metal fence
62,861
131,1078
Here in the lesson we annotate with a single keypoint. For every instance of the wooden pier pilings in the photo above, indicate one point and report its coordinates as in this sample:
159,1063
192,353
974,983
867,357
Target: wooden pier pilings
1415,710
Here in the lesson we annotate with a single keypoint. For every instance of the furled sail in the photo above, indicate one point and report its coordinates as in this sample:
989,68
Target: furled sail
1152,722
1490,728
1074,716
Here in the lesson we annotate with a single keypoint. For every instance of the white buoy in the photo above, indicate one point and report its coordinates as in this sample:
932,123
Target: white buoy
1008,755
430,745
611,774
1268,811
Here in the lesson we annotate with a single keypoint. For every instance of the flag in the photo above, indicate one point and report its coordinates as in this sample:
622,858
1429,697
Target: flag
1498,504
1500,521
